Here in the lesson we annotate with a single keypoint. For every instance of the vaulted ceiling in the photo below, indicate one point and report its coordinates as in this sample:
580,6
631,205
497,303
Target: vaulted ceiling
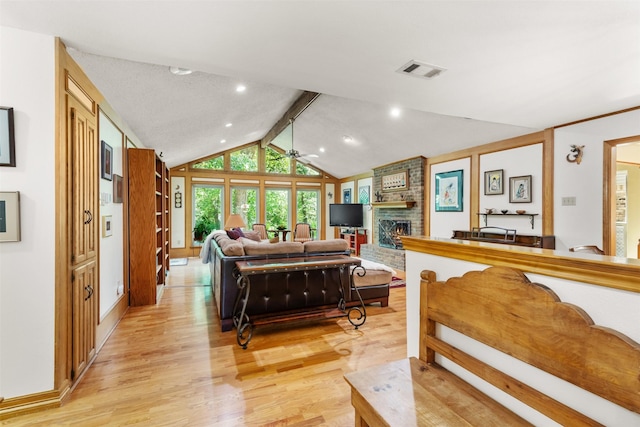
511,68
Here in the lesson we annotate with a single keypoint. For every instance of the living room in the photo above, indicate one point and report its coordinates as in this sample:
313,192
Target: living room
540,154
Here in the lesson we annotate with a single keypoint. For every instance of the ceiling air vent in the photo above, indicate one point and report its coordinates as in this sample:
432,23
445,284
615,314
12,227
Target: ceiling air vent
421,70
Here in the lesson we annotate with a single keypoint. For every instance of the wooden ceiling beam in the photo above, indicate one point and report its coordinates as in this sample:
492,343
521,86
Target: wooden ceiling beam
298,106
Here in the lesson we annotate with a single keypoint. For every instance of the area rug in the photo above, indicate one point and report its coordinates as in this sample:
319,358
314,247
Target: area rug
178,261
397,282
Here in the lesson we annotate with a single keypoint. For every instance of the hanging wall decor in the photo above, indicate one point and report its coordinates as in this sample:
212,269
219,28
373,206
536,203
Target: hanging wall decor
9,216
7,139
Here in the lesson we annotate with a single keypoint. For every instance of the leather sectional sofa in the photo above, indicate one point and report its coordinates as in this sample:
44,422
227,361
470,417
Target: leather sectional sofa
285,292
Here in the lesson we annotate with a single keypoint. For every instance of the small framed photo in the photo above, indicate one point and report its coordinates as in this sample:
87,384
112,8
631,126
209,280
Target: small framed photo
106,154
117,189
7,139
520,189
364,196
107,229
9,216
493,182
346,195
449,191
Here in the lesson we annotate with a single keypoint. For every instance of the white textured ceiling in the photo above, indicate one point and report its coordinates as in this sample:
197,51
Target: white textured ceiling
512,68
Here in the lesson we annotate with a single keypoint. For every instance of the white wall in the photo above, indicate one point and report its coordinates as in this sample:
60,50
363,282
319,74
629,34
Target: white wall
335,198
443,223
515,162
582,224
608,307
111,248
178,216
368,211
27,268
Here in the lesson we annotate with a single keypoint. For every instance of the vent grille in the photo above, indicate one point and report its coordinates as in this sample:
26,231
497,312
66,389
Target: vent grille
421,70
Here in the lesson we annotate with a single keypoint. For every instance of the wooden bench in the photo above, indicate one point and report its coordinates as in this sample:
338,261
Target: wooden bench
501,308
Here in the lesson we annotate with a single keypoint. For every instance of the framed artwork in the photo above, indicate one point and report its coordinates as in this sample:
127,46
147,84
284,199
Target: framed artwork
520,189
364,195
449,191
493,182
117,189
107,229
9,216
346,195
106,154
7,139
395,182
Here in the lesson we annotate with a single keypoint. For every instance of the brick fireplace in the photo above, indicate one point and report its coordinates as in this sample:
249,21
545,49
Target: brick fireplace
391,221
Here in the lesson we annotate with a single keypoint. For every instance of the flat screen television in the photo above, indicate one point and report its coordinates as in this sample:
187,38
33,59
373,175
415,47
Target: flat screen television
346,215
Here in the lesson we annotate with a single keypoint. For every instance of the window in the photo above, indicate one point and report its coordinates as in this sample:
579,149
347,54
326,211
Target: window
308,202
277,204
244,201
276,162
245,160
302,169
214,163
207,211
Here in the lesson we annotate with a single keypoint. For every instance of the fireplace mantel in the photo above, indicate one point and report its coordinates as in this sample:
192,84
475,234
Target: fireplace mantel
399,204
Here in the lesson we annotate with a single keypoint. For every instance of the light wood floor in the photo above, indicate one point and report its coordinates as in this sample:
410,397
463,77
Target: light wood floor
169,365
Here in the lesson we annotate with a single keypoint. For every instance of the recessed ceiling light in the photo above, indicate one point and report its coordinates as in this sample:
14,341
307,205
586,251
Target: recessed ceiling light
241,88
180,71
228,125
347,138
395,112
321,149
313,156
222,141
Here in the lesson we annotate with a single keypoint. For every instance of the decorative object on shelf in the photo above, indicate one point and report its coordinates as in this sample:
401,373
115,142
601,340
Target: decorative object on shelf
530,215
493,182
9,216
117,189
395,182
504,211
177,199
520,189
449,191
107,230
575,155
489,210
521,211
379,196
346,195
7,138
106,156
364,195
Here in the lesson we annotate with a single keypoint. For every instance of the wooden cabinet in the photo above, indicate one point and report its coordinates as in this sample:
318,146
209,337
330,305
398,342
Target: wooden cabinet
355,238
84,217
148,226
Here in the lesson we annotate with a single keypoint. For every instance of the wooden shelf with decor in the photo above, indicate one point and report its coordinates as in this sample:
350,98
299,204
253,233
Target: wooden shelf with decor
355,238
148,226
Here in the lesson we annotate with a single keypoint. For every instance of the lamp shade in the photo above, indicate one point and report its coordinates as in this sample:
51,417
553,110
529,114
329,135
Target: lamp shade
234,221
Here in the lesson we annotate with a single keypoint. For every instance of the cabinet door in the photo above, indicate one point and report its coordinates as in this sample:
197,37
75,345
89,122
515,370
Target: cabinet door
84,316
84,159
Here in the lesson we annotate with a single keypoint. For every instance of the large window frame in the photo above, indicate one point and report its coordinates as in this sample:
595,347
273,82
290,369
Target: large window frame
196,211
244,209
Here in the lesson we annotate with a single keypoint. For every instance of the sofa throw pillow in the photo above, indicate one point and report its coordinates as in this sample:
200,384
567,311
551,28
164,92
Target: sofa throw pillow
253,235
235,233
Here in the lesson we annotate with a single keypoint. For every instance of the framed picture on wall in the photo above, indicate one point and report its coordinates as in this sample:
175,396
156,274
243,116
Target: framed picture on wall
117,189
9,216
7,141
520,189
346,195
493,182
107,229
395,182
449,191
364,195
106,156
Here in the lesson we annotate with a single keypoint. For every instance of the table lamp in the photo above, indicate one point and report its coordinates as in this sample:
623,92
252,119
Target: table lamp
234,221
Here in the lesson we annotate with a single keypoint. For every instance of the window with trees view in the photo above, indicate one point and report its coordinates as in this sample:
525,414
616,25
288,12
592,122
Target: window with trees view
207,211
302,169
308,202
277,201
215,163
276,162
245,159
244,201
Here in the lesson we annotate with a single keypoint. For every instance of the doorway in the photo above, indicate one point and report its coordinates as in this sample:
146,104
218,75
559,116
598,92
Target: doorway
622,197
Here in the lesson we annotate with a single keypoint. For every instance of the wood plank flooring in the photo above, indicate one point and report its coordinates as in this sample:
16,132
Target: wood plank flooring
169,365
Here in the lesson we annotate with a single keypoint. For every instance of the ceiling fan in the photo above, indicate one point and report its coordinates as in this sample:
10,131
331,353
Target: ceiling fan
292,153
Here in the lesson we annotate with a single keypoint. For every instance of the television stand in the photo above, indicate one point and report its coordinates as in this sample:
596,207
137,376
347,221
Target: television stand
355,237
